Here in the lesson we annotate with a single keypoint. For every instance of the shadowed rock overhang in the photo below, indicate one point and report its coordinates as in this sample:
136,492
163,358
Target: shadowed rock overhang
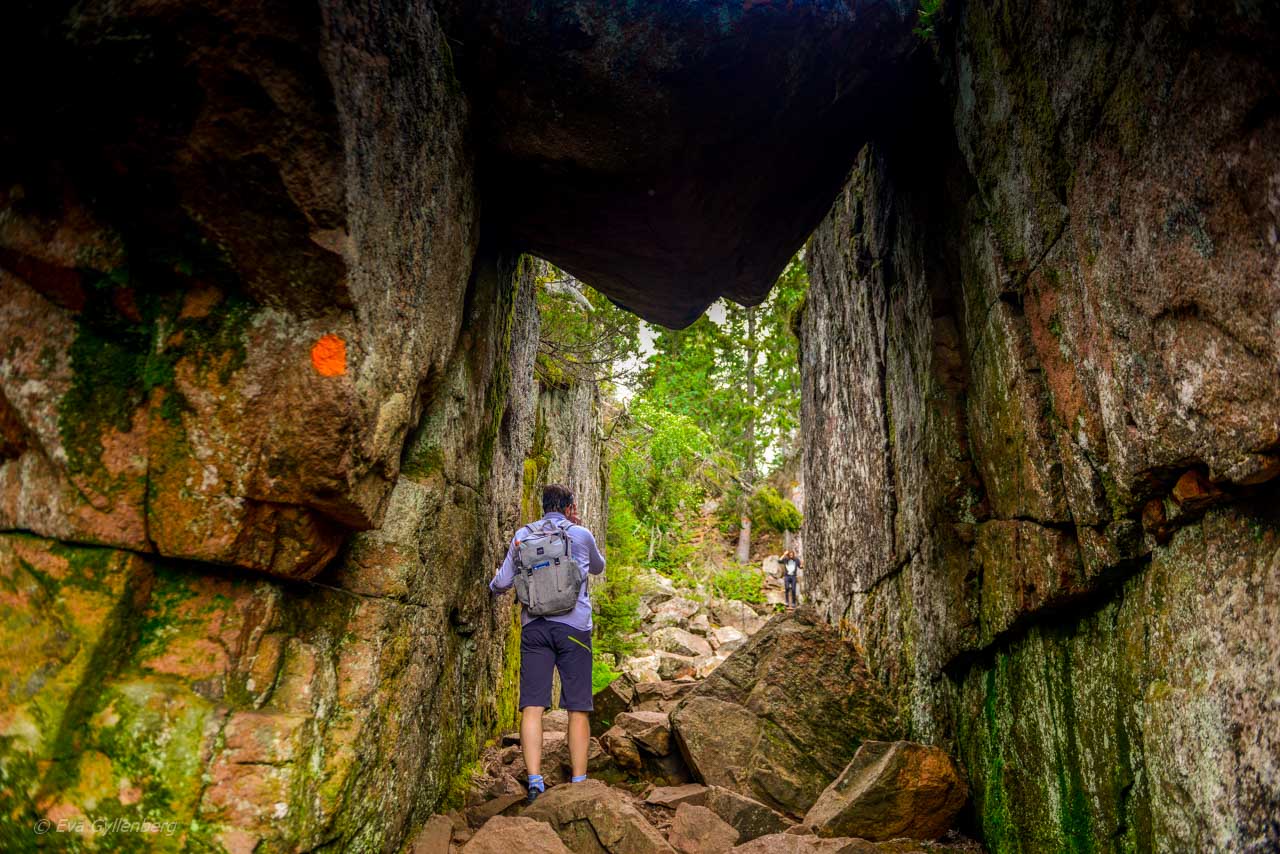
670,153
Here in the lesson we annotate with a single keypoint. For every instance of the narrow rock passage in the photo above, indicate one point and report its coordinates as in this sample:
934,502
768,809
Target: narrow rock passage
274,394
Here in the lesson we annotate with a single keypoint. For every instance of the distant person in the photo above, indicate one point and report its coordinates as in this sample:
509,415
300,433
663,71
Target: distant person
790,573
548,562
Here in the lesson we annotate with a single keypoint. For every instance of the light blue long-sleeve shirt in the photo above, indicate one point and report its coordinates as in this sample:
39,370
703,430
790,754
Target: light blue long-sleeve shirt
582,545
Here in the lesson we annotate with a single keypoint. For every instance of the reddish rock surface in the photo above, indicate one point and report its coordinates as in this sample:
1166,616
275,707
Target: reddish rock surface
891,790
673,796
434,837
650,730
503,835
697,830
583,813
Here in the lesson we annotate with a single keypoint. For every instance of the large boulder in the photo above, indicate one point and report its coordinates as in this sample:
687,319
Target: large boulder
707,665
727,638
623,748
749,817
676,611
481,813
677,640
590,816
697,830
785,843
790,843
651,730
434,837
782,716
555,720
699,624
740,615
702,144
673,666
660,696
891,790
503,835
609,702
673,796
655,589
642,668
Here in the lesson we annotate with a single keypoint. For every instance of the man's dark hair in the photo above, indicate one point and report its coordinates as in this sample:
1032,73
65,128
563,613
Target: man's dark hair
556,498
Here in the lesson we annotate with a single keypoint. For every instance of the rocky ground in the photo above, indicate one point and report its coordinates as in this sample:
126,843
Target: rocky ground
739,728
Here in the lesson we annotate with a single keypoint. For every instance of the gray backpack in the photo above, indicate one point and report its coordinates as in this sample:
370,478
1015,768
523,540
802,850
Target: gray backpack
548,579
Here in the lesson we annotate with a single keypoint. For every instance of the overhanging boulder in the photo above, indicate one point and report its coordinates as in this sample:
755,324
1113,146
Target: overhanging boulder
669,153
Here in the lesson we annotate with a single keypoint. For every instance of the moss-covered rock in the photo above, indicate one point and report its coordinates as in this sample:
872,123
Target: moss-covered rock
1024,331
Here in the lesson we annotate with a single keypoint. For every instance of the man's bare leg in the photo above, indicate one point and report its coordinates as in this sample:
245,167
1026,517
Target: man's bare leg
579,738
531,738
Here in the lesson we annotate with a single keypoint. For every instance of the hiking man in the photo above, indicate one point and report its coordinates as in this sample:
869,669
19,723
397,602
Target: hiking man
790,572
548,562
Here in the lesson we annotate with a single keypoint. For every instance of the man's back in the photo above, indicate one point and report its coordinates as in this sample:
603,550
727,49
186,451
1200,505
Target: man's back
586,554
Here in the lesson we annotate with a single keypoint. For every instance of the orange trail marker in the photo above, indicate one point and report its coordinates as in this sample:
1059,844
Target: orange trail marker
329,356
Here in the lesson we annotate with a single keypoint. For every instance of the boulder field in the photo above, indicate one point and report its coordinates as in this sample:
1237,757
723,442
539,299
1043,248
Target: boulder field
773,760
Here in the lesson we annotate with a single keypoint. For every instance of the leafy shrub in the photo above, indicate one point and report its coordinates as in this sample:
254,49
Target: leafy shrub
928,18
617,611
740,583
601,675
770,510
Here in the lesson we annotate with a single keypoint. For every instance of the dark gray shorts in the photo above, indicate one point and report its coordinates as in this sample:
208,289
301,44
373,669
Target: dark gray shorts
545,646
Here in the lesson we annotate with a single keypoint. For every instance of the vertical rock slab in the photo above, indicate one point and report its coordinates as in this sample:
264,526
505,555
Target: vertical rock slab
783,715
1059,290
245,711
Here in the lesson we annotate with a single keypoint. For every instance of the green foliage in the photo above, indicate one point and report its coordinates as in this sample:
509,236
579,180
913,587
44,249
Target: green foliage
602,675
734,374
737,378
770,510
741,583
583,336
657,467
928,18
617,605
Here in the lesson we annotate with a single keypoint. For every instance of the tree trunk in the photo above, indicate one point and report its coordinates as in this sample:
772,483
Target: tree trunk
749,469
744,540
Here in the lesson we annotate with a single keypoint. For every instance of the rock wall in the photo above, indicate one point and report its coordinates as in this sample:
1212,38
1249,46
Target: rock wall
568,448
214,214
1042,426
265,398
243,710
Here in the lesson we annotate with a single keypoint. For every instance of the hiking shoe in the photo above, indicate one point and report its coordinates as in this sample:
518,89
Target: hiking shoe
536,787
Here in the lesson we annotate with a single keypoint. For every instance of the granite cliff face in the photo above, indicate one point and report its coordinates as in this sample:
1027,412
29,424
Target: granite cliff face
263,427
568,448
1042,426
